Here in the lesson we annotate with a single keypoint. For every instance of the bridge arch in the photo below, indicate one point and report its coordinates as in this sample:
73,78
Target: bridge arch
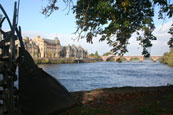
105,58
155,58
111,58
127,58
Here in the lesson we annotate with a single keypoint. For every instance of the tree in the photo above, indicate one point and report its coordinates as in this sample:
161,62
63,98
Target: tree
170,42
0,17
107,53
167,59
116,20
96,54
92,54
0,27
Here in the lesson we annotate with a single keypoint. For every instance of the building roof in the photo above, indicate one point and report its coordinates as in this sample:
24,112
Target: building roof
49,41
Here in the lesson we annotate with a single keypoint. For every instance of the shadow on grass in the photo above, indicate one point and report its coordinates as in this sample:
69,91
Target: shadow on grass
160,107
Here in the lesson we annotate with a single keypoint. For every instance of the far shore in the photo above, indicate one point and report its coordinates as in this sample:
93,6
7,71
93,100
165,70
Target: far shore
71,60
64,60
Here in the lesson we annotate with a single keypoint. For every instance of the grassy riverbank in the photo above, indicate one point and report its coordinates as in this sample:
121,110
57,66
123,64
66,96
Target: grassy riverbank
64,60
53,61
124,101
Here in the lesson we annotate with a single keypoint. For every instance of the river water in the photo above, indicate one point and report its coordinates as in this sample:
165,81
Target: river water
88,76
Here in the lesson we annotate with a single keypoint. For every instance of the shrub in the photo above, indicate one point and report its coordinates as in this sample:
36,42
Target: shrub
170,60
167,59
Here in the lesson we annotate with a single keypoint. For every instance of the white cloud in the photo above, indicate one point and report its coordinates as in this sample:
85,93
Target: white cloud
159,46
134,49
32,34
161,32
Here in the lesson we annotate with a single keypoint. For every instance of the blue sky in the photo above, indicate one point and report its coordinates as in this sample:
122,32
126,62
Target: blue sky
30,17
33,23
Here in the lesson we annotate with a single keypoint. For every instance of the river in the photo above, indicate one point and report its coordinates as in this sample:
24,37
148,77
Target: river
88,76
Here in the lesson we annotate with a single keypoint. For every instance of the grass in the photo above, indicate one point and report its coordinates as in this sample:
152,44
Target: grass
158,107
152,109
170,97
85,110
125,101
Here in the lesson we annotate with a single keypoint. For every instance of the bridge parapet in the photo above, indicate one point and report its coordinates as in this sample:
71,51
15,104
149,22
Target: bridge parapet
116,58
141,58
128,58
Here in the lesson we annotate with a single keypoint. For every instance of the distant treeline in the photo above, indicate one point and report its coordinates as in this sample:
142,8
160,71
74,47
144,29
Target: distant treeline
167,59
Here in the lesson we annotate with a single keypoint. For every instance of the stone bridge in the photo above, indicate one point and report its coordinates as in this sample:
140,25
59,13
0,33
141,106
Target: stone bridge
128,58
155,58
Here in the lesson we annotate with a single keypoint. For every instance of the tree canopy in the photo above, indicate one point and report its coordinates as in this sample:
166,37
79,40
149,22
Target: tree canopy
116,20
95,55
107,53
170,42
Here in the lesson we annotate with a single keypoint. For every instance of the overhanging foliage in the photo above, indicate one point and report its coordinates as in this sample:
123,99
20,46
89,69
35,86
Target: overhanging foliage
116,20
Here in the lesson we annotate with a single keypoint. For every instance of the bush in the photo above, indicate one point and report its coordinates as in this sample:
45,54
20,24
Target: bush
167,59
111,59
107,53
170,60
37,61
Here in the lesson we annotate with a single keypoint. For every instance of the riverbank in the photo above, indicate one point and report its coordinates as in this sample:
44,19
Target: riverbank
124,101
64,60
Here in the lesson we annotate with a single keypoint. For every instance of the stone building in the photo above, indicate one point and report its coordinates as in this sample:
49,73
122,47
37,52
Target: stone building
73,52
31,47
48,48
82,52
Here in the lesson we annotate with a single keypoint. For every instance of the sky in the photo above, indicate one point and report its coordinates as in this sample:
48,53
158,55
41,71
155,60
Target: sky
60,24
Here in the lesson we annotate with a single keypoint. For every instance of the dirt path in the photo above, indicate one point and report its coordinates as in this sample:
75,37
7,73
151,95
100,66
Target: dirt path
124,101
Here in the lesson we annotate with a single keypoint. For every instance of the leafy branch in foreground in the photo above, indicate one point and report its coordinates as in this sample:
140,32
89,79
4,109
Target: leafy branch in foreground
116,20
52,6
